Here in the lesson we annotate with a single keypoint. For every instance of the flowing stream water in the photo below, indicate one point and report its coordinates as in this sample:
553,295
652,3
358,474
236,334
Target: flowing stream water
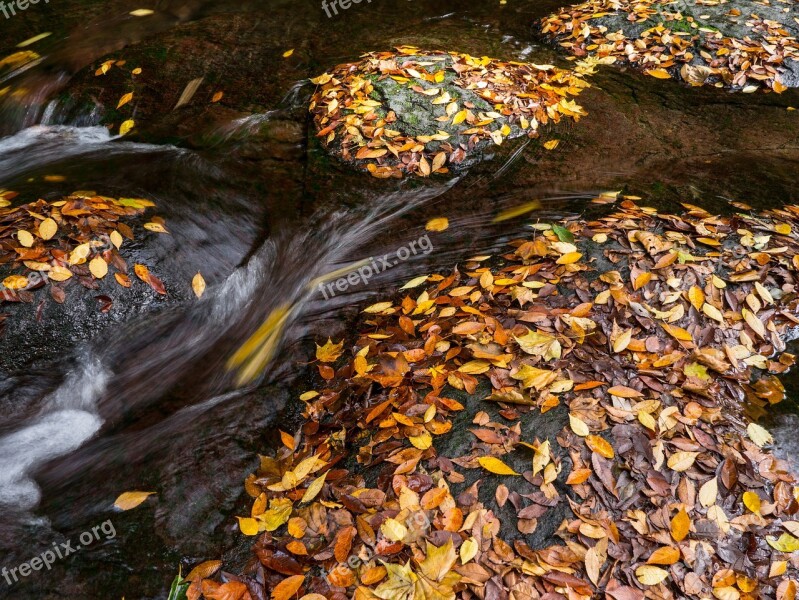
143,400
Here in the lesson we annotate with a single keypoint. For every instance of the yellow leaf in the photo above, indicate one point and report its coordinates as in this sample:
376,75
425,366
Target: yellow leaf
126,126
156,227
314,489
248,525
658,73
438,224
682,461
422,441
569,258
752,502
58,273
116,239
141,12
15,282
677,332
415,282
48,228
600,445
759,435
649,575
578,426
124,100
198,285
712,312
785,543
551,144
541,458
377,308
468,550
496,466
680,525
696,296
25,238
709,492
622,341
330,352
98,267
754,322
641,281
288,53
129,500
393,530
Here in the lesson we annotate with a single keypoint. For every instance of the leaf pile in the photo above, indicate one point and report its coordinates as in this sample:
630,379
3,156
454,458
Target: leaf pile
664,39
655,346
76,238
470,102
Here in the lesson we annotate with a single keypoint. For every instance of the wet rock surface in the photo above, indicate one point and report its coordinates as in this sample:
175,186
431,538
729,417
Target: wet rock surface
740,44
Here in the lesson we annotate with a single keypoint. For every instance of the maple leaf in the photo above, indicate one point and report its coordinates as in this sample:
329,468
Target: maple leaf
330,352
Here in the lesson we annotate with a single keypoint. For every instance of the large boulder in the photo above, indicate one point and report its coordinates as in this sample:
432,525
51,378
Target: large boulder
419,112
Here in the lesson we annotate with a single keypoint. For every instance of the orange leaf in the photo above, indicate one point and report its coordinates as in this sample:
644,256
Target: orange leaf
600,445
624,392
667,555
287,588
680,525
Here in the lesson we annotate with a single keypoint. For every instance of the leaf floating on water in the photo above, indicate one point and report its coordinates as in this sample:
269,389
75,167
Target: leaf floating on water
517,211
156,227
130,500
198,285
34,39
288,53
124,100
330,352
126,126
551,144
438,224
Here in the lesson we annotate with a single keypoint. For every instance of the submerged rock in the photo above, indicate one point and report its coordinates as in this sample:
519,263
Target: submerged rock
741,44
567,415
418,112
